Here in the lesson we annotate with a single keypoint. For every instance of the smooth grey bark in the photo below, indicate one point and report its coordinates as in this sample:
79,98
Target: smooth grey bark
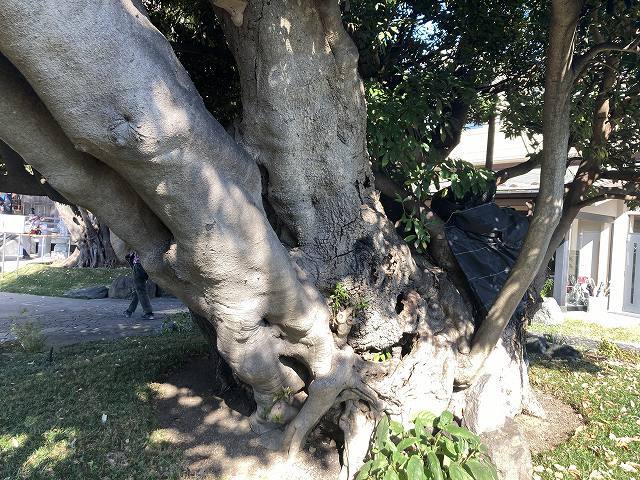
15,178
188,197
559,78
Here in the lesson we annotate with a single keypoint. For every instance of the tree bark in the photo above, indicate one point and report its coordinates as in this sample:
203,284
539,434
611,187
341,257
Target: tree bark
559,79
178,189
91,237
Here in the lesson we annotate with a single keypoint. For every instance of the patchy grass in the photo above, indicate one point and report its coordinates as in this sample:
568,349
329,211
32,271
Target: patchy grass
88,413
606,393
578,328
52,281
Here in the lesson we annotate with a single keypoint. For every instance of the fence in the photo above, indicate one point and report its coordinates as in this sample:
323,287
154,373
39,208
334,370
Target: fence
44,242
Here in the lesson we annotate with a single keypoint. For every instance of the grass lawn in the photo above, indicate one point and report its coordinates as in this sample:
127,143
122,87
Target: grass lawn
52,281
607,395
52,427
577,328
89,413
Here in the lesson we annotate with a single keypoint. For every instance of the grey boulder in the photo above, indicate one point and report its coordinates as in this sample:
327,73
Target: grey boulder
122,287
88,293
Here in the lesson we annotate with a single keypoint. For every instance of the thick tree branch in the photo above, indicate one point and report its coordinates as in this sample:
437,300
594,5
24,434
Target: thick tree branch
520,169
581,62
16,178
556,117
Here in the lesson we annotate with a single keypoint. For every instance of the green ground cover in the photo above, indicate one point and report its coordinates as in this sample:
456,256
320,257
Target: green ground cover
578,328
88,413
49,280
51,420
607,395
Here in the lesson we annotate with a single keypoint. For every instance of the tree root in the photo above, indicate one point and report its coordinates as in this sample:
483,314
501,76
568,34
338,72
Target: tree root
341,383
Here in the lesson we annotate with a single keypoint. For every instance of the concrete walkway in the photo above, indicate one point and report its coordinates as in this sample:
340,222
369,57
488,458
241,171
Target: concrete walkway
65,321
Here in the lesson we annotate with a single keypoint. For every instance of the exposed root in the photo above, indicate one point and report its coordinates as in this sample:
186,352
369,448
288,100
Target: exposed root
342,382
358,424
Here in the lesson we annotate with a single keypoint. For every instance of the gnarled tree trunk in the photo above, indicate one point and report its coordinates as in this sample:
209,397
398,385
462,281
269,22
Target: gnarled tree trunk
255,264
91,237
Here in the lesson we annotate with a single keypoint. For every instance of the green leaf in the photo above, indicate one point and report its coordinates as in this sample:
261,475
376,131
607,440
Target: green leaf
382,432
391,474
445,419
480,470
447,448
396,428
407,442
423,423
433,466
379,462
456,472
415,468
460,432
363,474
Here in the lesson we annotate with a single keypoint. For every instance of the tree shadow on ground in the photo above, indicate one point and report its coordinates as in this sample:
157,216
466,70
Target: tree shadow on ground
583,364
215,435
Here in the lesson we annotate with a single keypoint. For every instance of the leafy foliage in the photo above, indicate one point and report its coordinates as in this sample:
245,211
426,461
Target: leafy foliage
434,448
547,288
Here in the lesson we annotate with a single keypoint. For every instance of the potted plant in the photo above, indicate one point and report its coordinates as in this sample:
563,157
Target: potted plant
598,298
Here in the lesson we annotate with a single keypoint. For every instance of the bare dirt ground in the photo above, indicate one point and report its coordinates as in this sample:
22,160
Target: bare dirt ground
217,439
544,434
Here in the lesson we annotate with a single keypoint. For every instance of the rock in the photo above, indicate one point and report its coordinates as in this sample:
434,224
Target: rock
88,293
509,451
122,287
549,312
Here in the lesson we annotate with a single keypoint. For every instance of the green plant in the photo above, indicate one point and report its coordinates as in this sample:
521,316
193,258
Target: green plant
434,448
28,333
612,351
177,322
381,356
547,288
340,298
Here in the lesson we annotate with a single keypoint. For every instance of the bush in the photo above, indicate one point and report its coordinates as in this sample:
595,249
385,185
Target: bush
436,447
547,288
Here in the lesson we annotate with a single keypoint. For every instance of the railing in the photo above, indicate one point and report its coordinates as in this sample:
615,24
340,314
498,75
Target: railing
20,236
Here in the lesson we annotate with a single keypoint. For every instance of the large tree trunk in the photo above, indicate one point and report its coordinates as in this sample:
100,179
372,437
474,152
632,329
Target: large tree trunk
91,237
189,198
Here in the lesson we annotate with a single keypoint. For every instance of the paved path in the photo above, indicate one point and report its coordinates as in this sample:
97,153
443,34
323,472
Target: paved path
65,320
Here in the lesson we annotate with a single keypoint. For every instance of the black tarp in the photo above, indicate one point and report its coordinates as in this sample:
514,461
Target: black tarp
486,240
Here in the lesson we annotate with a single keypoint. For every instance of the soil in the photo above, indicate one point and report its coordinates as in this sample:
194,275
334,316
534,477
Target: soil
544,434
214,432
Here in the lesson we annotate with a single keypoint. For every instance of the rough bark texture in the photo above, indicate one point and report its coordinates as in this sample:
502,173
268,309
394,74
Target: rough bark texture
91,237
190,199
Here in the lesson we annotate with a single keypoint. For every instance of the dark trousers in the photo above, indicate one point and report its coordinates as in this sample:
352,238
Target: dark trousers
140,278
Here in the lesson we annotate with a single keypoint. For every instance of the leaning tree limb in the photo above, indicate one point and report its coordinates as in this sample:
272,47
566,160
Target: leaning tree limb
559,79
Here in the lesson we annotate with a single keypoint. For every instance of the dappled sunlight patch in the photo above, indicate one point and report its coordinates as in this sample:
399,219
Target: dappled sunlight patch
9,443
608,399
46,457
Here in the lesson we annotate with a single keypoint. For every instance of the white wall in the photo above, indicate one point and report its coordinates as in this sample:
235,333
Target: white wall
618,262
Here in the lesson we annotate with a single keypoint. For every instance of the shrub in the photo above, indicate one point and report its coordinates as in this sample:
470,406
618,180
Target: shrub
435,448
547,288
29,336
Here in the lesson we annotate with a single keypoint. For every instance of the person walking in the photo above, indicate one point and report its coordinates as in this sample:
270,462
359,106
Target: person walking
140,278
